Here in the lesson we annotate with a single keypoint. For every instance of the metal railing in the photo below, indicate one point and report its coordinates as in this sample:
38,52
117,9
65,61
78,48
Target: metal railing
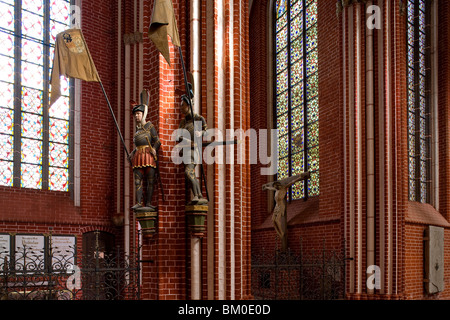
60,275
315,275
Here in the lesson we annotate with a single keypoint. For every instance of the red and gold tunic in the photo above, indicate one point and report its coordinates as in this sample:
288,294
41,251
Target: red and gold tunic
145,139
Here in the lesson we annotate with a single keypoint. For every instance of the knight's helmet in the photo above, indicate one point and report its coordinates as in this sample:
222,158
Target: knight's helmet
143,105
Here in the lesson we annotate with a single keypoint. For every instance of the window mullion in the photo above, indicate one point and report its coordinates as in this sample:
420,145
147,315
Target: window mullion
17,93
289,102
45,102
305,101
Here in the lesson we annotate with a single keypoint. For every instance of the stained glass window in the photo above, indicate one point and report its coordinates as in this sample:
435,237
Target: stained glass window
418,101
297,103
34,138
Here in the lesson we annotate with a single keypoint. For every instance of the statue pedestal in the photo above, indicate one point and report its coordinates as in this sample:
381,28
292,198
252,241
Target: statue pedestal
196,216
147,218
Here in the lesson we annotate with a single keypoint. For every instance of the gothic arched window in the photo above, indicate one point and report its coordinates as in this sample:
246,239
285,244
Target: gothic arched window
296,93
34,138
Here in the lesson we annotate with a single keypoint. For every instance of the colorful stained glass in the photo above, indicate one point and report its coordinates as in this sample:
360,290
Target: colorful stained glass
297,49
311,14
6,173
313,134
297,26
58,179
32,126
58,155
313,184
296,7
312,86
282,82
282,60
31,151
281,7
297,72
311,62
32,100
6,121
25,52
31,176
6,147
282,39
311,37
282,124
283,149
299,114
282,103
297,117
297,95
59,130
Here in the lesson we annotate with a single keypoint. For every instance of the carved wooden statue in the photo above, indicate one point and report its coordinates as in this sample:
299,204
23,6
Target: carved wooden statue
279,213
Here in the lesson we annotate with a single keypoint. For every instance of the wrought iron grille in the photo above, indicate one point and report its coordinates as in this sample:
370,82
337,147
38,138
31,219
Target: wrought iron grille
317,275
58,274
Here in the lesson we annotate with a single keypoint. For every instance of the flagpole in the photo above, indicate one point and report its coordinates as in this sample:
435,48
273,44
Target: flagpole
115,121
192,113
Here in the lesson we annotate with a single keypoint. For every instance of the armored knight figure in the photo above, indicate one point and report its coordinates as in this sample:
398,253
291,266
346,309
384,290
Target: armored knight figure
189,169
144,156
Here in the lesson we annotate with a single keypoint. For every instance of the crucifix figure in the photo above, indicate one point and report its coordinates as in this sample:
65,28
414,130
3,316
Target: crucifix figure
279,218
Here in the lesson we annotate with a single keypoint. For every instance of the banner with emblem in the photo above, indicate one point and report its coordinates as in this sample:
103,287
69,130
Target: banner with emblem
72,59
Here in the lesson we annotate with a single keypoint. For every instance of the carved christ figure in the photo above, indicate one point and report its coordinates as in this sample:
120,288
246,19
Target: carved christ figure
279,213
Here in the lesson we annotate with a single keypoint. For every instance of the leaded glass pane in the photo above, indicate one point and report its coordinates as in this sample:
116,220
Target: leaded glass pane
6,147
6,69
312,86
32,100
31,176
31,151
297,118
32,126
6,121
6,16
297,72
282,59
59,131
59,155
59,179
311,14
32,75
311,62
282,103
32,25
6,173
6,44
60,109
313,185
